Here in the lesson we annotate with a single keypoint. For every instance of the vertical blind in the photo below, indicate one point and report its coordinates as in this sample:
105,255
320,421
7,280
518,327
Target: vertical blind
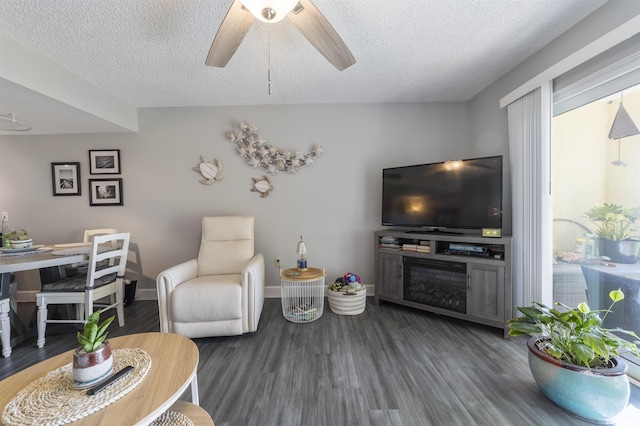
529,145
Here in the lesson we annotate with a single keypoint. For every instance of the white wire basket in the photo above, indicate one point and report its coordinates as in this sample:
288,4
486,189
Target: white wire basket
302,294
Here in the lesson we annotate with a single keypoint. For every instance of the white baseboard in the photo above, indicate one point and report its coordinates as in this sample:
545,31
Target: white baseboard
275,291
146,294
270,292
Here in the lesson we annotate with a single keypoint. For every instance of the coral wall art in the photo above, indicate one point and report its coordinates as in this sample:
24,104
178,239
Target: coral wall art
258,153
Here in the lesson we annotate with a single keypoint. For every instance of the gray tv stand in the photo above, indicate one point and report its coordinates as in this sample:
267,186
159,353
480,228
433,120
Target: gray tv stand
461,276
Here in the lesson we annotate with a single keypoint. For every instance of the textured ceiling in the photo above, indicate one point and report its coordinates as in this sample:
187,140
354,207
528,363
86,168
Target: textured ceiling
151,53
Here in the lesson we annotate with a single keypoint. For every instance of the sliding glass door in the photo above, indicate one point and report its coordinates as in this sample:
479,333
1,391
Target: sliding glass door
596,172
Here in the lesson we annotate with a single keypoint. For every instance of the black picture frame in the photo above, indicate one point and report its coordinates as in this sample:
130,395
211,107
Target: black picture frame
65,179
104,162
105,192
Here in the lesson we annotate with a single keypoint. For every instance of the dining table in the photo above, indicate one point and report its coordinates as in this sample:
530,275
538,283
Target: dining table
12,261
164,366
602,279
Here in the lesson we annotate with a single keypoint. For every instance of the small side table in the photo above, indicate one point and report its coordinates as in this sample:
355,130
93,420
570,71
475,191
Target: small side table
302,294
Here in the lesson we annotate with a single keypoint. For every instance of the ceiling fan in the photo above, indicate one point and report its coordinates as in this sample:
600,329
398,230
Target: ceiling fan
302,13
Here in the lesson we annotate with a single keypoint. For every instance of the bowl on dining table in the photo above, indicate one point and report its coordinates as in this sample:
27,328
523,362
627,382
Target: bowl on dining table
20,244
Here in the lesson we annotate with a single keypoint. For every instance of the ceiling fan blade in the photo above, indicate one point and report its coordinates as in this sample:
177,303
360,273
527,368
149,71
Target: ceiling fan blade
234,27
315,27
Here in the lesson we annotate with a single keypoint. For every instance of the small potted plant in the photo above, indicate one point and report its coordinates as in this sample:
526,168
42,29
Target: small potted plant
347,296
92,361
615,228
575,360
18,239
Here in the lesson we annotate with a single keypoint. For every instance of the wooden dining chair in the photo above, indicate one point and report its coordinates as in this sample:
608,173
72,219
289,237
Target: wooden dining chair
5,327
56,273
90,233
105,278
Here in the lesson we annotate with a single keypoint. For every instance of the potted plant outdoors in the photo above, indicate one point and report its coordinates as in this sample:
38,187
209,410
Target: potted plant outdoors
615,231
574,360
347,296
92,361
18,239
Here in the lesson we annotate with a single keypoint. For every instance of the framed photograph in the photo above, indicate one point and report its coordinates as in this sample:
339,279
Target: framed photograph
105,192
65,178
104,162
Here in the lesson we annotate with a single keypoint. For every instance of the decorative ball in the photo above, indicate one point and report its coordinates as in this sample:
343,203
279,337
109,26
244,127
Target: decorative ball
348,283
338,284
350,277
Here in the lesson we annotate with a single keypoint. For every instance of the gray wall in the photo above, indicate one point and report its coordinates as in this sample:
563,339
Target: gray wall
488,123
488,127
334,203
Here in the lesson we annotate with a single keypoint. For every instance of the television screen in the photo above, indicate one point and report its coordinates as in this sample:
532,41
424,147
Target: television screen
463,194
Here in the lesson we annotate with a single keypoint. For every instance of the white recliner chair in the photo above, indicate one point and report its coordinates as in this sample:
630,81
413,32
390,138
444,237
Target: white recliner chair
221,293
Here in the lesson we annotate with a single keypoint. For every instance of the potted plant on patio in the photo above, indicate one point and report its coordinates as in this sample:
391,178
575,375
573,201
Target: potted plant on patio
347,296
615,228
92,361
576,361
18,239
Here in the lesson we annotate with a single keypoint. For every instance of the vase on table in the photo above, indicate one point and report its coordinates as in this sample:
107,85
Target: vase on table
92,367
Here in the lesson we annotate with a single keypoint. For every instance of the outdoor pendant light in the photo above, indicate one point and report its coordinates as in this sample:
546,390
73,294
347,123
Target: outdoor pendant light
622,127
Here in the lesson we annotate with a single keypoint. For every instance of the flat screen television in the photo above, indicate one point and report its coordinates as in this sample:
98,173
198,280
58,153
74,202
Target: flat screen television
462,194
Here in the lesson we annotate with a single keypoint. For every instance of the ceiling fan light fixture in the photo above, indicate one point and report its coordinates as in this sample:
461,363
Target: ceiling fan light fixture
270,10
9,122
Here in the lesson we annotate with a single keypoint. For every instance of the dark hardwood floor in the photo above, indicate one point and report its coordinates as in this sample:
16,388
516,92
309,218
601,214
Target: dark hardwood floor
388,366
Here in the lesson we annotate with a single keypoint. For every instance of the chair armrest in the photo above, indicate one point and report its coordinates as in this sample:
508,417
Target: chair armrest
166,282
252,282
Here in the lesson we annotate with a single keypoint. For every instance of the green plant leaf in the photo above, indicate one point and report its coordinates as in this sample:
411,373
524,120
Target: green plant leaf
613,221
94,318
554,352
85,343
90,331
103,327
584,308
98,342
628,332
82,339
597,344
93,334
616,295
583,353
530,311
520,328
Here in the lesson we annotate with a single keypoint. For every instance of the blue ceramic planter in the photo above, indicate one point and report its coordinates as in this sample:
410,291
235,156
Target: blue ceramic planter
596,395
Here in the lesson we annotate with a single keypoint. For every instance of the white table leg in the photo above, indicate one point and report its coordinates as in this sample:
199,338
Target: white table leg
194,390
6,328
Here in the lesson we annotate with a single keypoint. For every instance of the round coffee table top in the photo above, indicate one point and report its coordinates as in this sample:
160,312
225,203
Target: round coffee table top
294,274
174,364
